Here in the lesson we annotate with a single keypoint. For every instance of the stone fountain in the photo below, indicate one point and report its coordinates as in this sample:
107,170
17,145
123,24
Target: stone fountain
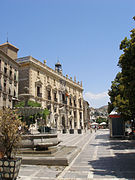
35,140
26,110
25,96
42,149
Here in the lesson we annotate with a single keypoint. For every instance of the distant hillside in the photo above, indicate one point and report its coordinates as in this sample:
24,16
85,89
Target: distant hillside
102,111
103,108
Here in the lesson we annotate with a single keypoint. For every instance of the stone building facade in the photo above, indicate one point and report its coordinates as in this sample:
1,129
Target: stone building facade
86,114
8,75
61,95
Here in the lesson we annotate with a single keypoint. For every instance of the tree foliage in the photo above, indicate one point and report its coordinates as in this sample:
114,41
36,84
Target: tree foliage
122,93
30,104
101,119
46,112
118,98
31,119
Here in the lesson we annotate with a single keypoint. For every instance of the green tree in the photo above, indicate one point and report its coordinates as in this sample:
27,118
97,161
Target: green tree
29,120
118,98
127,63
101,119
43,123
122,93
46,112
30,104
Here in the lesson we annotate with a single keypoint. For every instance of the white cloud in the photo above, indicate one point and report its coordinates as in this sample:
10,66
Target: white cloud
97,100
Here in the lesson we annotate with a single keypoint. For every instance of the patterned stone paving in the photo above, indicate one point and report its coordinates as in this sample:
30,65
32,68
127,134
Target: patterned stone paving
100,158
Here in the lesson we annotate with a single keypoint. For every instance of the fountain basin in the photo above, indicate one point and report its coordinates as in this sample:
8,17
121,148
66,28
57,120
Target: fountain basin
63,156
40,141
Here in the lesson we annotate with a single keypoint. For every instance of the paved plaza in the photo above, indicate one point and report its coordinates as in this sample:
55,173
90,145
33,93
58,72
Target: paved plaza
99,158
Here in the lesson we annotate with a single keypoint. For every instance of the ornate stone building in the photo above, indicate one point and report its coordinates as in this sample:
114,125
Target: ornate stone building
86,114
8,75
60,94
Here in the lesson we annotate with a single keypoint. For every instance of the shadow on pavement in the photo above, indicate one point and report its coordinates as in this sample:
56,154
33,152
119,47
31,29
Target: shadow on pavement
102,136
122,165
122,145
117,144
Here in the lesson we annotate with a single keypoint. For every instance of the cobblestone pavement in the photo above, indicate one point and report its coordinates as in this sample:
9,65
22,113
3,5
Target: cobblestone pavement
100,158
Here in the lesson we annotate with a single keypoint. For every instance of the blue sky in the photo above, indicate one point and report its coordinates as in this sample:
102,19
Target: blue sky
84,35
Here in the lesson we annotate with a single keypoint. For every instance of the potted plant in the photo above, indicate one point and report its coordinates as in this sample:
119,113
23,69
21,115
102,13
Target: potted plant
10,140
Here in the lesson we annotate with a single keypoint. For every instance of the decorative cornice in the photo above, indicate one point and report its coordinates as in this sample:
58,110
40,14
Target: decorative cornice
50,71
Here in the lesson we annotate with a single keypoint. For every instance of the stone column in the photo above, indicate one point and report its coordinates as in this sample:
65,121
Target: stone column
72,121
59,96
78,119
67,120
82,120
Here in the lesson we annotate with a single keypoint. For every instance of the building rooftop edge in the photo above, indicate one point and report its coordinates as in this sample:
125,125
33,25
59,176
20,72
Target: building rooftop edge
14,61
7,43
28,59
